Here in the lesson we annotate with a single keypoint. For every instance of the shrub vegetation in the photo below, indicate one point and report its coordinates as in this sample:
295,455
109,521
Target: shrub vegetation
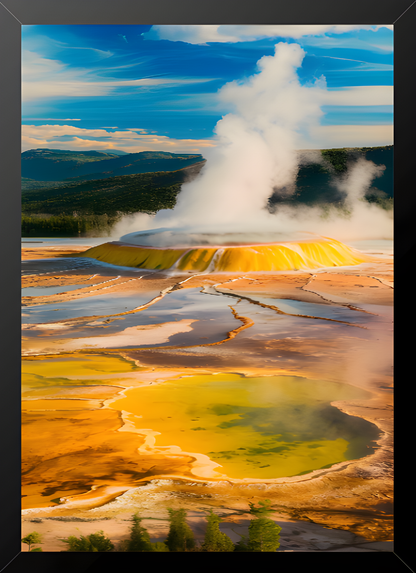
95,542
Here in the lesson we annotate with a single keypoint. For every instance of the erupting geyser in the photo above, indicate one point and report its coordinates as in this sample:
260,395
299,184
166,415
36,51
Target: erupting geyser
254,158
192,252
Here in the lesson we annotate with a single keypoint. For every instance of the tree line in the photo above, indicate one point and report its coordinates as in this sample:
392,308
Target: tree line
263,535
67,225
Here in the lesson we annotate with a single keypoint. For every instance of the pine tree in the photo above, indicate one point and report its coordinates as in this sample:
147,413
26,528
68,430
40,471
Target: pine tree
180,536
263,535
32,539
139,537
215,540
263,532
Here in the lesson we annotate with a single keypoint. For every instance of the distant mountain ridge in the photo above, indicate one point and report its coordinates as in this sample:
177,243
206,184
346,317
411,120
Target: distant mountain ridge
60,165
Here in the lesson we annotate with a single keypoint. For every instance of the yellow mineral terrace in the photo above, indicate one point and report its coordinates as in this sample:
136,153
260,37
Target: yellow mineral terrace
265,257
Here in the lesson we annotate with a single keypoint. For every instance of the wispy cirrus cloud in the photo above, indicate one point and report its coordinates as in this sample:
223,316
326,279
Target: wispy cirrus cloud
361,66
47,78
202,34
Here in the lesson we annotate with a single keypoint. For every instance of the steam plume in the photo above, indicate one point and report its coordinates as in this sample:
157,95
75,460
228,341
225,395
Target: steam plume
256,156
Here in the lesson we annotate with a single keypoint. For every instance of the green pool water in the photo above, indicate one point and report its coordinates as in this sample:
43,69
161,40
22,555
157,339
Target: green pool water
264,427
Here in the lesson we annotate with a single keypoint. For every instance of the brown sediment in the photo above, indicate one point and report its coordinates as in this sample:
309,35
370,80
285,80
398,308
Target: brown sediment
72,278
30,253
315,287
347,289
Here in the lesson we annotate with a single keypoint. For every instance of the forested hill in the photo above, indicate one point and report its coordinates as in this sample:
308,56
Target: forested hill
319,172
144,192
58,165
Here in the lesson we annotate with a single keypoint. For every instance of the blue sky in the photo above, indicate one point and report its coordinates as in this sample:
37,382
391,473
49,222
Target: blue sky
138,88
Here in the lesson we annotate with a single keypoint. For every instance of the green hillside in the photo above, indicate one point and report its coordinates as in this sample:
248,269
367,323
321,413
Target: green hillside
58,165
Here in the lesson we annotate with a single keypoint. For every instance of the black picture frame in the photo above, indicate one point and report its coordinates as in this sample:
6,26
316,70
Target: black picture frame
14,14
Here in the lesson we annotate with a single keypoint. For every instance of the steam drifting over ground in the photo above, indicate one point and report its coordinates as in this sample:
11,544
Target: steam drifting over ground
257,156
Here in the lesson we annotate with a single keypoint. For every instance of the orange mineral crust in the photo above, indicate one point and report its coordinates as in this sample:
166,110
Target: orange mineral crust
83,453
261,257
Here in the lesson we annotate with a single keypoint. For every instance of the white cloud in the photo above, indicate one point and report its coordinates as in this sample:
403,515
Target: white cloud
131,141
201,34
360,95
336,136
